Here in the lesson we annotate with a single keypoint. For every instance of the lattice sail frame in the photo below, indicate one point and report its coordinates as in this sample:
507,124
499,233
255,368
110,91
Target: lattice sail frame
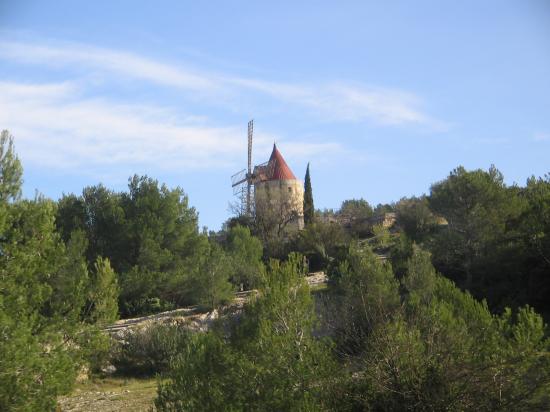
243,181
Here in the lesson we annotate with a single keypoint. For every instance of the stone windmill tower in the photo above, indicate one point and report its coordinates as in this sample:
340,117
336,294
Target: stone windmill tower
278,195
270,192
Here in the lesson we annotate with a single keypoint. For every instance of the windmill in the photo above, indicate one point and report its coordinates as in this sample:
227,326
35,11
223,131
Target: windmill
243,181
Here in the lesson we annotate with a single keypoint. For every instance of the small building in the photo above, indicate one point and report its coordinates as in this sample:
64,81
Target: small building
278,195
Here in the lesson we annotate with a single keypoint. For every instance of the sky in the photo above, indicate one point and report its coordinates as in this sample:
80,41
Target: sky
381,98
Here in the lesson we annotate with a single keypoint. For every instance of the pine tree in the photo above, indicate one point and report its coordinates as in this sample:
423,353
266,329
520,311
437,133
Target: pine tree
104,293
309,209
11,171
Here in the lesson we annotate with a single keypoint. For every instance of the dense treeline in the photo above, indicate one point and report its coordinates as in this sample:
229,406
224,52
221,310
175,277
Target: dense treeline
490,238
495,242
428,314
415,343
151,236
69,268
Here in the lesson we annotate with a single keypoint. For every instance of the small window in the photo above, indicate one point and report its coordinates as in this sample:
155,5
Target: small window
289,190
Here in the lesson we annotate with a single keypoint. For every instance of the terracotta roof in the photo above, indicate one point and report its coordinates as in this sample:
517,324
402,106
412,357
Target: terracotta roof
278,166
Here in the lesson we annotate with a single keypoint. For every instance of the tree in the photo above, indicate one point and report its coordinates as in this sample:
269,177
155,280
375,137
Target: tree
71,283
479,209
103,297
208,285
320,243
534,230
427,345
36,361
267,360
309,208
43,286
415,217
11,171
36,365
368,296
355,214
245,252
99,213
149,234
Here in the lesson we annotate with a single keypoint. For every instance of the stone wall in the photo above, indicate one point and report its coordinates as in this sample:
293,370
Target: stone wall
281,201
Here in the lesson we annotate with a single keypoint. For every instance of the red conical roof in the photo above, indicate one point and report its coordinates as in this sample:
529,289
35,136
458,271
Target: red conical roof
279,168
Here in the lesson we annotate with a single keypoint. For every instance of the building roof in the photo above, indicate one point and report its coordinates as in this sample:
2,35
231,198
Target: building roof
278,167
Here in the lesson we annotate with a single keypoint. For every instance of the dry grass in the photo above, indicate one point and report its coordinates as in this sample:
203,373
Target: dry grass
110,395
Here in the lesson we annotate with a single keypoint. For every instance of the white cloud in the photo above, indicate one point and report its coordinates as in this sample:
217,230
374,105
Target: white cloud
60,125
56,128
340,101
123,63
337,101
64,133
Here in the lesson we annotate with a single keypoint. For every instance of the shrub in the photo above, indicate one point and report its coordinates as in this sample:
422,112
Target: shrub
148,351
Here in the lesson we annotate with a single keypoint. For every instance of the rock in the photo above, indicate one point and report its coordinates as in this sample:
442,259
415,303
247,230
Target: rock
108,369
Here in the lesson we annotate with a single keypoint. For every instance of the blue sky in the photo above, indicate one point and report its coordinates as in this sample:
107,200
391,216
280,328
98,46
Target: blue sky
382,98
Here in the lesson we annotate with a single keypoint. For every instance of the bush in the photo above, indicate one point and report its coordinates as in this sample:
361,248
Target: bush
148,351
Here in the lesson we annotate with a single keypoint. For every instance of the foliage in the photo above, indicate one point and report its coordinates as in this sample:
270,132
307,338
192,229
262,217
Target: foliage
426,345
270,352
367,297
245,252
103,297
382,208
355,214
209,284
381,236
149,234
534,229
149,351
10,169
415,218
45,337
320,243
400,253
35,361
309,208
483,247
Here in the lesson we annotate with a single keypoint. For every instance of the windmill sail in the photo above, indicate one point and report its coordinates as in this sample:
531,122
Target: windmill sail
243,181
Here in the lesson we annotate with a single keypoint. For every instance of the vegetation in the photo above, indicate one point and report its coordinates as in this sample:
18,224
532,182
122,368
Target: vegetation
309,208
424,343
46,335
149,351
489,245
443,310
269,361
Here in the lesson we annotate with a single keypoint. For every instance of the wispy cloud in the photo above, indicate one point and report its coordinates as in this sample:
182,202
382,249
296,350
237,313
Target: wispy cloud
57,128
73,125
62,132
345,102
334,101
120,62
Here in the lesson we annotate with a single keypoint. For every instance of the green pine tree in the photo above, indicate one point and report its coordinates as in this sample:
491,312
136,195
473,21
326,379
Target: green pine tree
104,293
309,209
